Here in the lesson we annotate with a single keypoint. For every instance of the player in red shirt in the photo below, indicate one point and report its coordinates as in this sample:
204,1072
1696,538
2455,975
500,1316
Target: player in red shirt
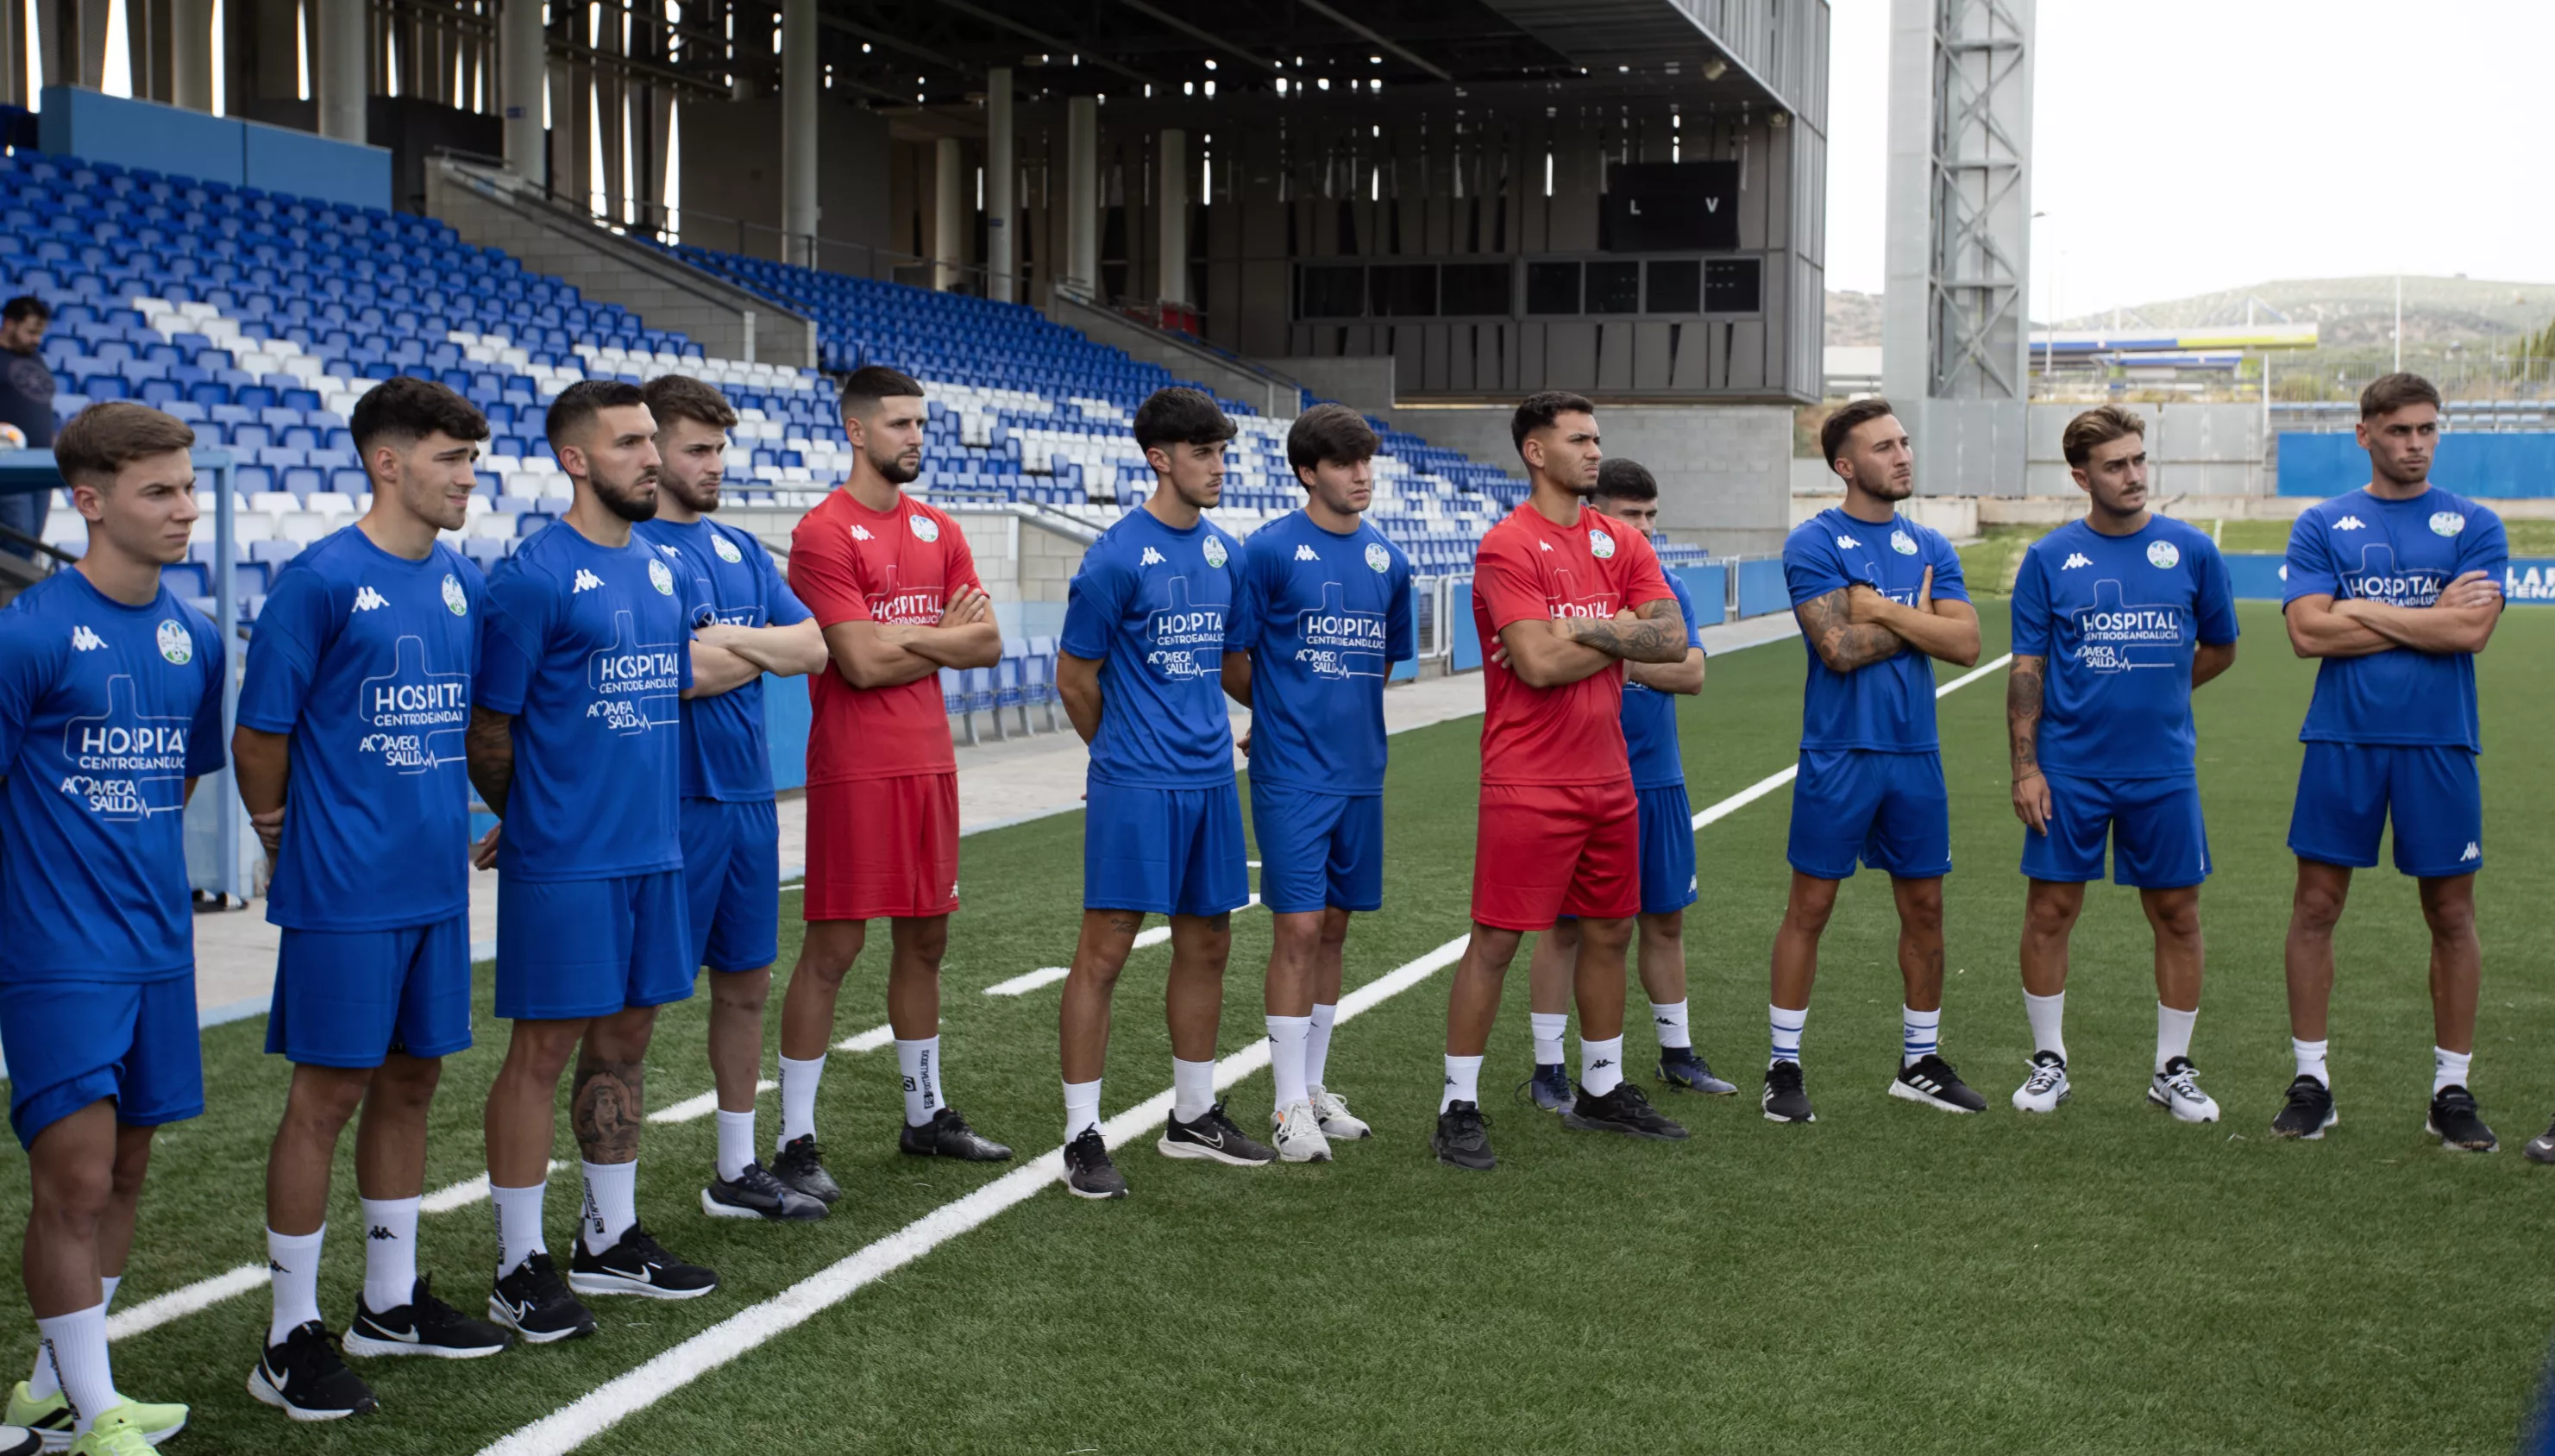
1562,599
893,584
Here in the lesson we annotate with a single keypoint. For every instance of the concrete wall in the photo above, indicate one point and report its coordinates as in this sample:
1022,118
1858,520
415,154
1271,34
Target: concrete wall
2193,449
1274,398
1957,517
732,181
1362,383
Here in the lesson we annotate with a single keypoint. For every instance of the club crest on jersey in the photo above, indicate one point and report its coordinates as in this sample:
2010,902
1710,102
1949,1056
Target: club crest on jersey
661,578
1378,560
726,549
2163,555
1903,544
1600,545
2447,522
456,600
175,642
925,528
1214,551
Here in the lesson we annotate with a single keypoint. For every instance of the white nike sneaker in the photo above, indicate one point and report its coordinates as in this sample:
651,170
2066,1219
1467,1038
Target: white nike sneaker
1338,1122
1300,1135
2047,1087
2176,1089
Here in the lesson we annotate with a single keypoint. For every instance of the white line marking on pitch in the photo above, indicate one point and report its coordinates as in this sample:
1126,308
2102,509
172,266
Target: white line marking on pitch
693,1108
1024,984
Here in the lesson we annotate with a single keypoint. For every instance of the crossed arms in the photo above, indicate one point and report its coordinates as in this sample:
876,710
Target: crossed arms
1854,626
1559,651
893,654
2460,620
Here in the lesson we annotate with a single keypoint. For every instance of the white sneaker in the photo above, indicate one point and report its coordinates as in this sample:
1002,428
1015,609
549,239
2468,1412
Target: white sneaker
2047,1087
1338,1122
2176,1089
1300,1135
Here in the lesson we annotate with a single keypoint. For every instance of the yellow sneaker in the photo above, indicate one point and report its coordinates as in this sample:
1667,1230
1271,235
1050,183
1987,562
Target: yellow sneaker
50,1417
117,1431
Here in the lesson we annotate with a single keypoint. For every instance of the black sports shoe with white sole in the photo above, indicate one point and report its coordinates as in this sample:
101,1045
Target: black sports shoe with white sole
1463,1138
1685,1070
533,1301
2308,1112
2540,1148
756,1193
1214,1138
1931,1081
1786,1100
1548,1088
637,1264
801,1164
948,1135
304,1378
1088,1170
424,1325
2456,1121
1624,1110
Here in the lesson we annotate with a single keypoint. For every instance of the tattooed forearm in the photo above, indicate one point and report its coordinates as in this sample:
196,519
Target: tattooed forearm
1842,643
609,1105
2024,689
1655,635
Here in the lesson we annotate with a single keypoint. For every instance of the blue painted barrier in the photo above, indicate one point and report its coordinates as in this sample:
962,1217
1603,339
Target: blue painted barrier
1710,588
1761,589
2488,467
1466,646
174,140
2256,577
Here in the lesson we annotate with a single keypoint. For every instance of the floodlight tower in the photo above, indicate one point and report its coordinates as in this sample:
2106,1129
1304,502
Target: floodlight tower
1956,324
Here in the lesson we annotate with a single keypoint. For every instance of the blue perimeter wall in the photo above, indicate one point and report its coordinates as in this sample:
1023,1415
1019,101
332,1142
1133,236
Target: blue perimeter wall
2257,576
181,143
2496,466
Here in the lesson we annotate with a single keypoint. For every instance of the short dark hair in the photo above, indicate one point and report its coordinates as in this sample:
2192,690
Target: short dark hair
405,409
1538,411
106,436
2099,426
1626,480
23,306
1181,416
581,401
1841,424
1332,433
672,396
871,383
2389,393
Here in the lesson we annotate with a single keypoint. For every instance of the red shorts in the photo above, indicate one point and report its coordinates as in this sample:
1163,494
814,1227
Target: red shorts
1544,851
883,847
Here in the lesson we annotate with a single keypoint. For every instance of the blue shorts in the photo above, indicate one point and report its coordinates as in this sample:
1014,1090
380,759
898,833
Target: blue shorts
1667,849
1889,808
347,998
1318,850
2347,789
732,873
568,949
1164,851
2157,839
71,1043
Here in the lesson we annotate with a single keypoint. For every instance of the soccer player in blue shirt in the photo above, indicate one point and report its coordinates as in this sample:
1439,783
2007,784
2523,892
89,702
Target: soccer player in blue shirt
352,719
1326,613
1628,492
731,828
1878,597
575,743
2395,586
110,710
1148,620
2117,619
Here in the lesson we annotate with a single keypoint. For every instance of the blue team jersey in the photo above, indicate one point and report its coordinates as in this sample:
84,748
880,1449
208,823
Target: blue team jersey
589,648
1886,706
105,712
1324,618
725,754
2401,552
365,658
1650,716
1155,607
2118,617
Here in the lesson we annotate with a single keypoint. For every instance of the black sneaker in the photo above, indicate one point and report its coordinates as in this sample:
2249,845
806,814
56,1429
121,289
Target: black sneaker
801,1164
2540,1148
756,1193
304,1378
1684,1070
948,1135
1785,1101
1214,1138
1088,1173
2308,1112
1931,1081
1550,1087
1463,1138
637,1264
424,1325
535,1304
1624,1110
2457,1124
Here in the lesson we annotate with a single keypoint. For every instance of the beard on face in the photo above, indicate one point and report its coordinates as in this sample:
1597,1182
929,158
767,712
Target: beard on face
635,501
700,498
894,468
1894,487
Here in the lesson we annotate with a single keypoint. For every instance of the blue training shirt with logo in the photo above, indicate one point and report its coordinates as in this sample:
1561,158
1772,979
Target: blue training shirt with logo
105,712
1155,607
1886,706
589,648
726,754
365,660
2357,546
1324,617
2118,618
1650,715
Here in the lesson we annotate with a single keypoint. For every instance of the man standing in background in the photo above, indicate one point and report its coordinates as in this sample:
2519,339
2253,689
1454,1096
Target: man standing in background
27,402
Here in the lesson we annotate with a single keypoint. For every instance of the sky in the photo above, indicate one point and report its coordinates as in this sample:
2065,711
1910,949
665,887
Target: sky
2187,146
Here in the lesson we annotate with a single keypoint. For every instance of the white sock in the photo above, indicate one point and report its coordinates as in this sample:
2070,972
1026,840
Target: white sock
920,1064
41,1384
735,1142
2173,1032
799,1099
1081,1107
1787,1034
1551,1030
1601,1064
611,1202
1286,1036
293,1267
1920,1034
1192,1089
1669,1018
2449,1068
390,1252
1463,1082
2048,1017
518,1224
2310,1055
1317,1046
76,1343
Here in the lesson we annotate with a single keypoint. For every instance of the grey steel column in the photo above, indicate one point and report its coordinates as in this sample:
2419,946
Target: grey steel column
1172,209
523,79
341,78
948,212
1002,250
799,79
191,54
1082,194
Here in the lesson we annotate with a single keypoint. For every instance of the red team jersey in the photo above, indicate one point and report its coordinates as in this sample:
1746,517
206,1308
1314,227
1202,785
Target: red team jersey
850,564
1529,570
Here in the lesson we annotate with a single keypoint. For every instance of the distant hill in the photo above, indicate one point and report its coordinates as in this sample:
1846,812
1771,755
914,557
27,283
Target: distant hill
1853,319
2351,312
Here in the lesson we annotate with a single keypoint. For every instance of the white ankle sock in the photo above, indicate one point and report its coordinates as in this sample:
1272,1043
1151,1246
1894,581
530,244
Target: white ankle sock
41,1384
76,1343
1786,1026
611,1202
2310,1057
1286,1037
1601,1064
1920,1034
518,1224
735,1142
293,1267
1317,1046
919,1062
1551,1035
799,1081
1081,1107
1670,1020
1463,1082
1192,1089
2173,1032
2048,1017
390,1252
2449,1070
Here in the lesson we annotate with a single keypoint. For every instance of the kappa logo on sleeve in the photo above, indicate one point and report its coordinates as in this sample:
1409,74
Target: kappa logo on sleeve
1307,554
1150,557
586,581
2074,561
369,600
85,640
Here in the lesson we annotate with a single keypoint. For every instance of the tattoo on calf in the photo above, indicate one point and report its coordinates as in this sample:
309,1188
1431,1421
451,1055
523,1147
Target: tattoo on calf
609,1105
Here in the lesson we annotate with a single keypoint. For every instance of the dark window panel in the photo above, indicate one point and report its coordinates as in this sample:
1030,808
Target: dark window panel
1676,287
1553,288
